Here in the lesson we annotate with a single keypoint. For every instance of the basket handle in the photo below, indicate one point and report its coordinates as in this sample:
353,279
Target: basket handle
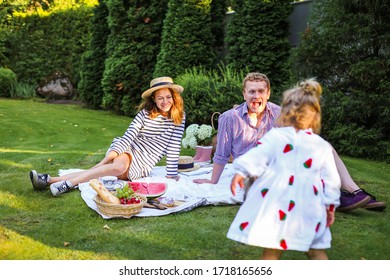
212,118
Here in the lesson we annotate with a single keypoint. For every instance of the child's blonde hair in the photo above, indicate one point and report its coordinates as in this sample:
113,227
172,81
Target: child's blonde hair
296,101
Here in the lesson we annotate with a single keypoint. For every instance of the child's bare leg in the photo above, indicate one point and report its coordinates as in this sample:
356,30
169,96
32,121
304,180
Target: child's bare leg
317,254
271,254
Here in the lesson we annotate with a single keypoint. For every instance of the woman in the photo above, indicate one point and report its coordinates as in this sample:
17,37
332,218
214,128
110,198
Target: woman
156,131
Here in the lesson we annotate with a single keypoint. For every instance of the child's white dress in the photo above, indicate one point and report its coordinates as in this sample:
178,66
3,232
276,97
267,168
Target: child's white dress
285,208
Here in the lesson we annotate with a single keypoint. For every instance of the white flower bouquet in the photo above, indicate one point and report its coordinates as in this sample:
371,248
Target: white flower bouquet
198,135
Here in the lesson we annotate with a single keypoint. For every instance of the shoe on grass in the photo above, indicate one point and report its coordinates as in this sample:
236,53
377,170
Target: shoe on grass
39,181
60,188
351,201
373,204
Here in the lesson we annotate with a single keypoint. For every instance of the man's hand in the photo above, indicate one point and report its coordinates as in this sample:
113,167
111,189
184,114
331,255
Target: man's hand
237,180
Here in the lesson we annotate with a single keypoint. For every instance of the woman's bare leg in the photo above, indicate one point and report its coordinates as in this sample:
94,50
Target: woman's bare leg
118,167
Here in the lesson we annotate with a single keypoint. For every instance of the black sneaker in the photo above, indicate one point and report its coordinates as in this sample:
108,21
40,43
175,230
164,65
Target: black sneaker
39,181
60,188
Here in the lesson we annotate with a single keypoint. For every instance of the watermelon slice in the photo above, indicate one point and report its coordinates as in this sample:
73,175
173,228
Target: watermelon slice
150,190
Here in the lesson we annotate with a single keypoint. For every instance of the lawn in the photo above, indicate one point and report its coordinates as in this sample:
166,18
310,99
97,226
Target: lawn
37,226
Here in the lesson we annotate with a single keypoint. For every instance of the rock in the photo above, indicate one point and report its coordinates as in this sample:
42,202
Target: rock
56,86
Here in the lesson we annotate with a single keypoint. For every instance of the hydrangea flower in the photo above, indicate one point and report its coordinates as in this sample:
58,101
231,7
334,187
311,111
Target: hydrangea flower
192,143
204,131
198,135
192,129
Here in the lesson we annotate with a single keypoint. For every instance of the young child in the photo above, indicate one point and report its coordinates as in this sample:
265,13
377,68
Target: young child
291,204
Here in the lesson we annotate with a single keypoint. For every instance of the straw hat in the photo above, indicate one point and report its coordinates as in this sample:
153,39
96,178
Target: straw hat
186,164
161,82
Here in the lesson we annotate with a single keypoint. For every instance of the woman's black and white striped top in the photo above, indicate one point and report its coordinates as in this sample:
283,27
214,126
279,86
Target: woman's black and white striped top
148,140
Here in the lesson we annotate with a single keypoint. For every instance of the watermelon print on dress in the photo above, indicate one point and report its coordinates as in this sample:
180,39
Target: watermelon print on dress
291,205
288,148
307,164
264,192
318,226
283,244
315,190
258,143
282,215
291,180
243,225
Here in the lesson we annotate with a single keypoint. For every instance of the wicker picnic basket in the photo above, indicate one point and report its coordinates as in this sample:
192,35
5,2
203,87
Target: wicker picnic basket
119,210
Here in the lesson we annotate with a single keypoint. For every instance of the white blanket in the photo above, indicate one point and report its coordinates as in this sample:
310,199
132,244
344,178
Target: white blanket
192,195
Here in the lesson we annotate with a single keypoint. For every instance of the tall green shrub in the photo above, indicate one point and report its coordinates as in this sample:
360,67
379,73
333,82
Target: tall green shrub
187,38
92,62
207,91
347,48
257,38
44,41
133,45
218,10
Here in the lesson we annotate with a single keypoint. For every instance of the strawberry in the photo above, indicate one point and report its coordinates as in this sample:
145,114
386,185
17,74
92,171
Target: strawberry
264,192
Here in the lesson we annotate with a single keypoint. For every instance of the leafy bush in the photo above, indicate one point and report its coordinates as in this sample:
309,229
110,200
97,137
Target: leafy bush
187,38
7,82
92,60
347,48
209,91
257,38
133,45
44,41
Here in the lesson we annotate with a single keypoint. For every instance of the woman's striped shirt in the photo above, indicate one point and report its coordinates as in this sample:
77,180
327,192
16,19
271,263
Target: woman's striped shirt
148,140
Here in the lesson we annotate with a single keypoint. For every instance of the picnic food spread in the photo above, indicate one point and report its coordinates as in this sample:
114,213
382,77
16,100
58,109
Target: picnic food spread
105,194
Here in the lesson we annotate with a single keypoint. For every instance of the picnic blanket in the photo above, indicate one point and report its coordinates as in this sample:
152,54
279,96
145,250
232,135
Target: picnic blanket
185,191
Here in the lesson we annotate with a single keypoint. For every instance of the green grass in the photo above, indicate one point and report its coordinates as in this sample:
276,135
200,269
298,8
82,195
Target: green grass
35,225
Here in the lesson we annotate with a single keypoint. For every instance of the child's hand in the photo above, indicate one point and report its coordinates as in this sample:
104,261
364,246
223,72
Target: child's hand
237,179
329,218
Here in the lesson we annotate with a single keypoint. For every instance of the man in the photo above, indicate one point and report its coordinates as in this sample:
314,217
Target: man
240,128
